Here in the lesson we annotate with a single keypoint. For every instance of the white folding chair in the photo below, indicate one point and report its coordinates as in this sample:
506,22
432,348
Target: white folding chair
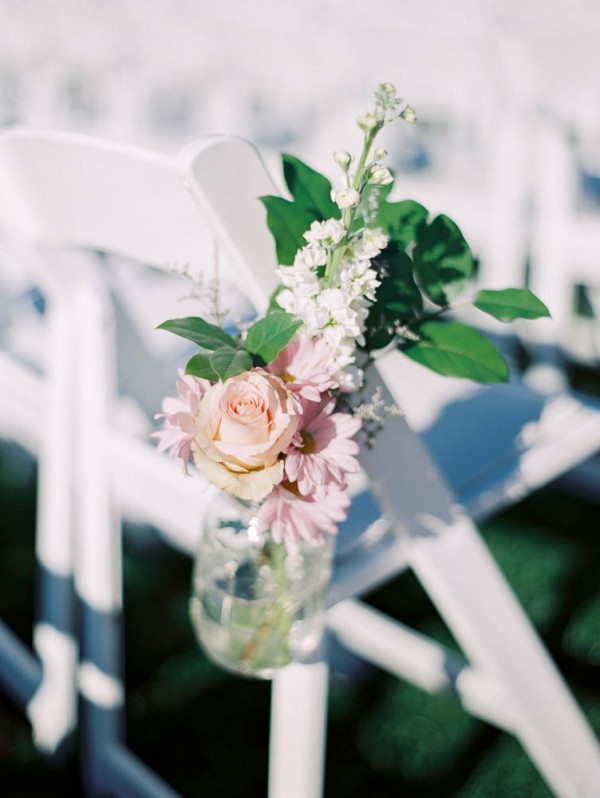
62,198
509,679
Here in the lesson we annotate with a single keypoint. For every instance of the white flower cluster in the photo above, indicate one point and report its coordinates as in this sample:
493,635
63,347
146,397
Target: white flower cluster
336,310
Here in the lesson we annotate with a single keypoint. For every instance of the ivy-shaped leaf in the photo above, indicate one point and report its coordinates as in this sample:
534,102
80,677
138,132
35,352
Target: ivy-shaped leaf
443,260
205,335
511,303
267,337
287,221
400,220
310,189
456,350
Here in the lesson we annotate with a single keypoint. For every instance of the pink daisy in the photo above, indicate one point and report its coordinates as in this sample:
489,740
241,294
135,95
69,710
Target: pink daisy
323,452
307,366
293,518
178,414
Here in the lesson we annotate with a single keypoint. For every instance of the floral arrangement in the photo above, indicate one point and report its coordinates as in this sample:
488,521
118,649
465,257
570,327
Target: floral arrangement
270,413
266,414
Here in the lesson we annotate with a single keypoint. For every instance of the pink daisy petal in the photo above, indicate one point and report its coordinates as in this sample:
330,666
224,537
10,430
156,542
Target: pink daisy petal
323,453
293,518
178,418
307,366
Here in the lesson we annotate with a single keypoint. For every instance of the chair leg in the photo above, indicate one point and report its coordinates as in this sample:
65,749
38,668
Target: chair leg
472,595
52,709
298,726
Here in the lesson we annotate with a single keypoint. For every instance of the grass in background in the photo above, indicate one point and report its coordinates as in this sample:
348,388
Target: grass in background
206,732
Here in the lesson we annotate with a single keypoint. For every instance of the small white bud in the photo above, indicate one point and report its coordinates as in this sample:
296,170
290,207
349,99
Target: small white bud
346,198
409,115
386,95
380,154
381,176
342,158
368,120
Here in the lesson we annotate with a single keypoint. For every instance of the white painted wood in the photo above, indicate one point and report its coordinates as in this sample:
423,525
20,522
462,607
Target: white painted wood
410,655
298,722
449,558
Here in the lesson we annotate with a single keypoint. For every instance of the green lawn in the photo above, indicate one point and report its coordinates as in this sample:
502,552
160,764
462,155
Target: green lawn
206,733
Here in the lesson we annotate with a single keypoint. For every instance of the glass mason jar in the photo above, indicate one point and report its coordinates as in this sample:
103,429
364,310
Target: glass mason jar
255,606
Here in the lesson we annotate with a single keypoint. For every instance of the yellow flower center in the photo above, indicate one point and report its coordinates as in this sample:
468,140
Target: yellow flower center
287,377
308,443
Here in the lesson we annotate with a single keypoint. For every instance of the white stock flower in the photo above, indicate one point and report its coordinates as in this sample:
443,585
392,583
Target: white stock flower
327,233
368,121
311,256
385,95
358,280
333,315
372,241
300,278
342,158
381,176
346,198
409,115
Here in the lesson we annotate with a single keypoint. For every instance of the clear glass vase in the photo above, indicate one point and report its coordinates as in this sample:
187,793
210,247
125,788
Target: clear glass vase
255,606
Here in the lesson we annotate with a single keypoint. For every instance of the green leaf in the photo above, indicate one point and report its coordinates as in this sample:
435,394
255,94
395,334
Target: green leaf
221,364
400,220
455,350
511,303
379,329
443,260
207,336
287,222
268,336
309,188
398,293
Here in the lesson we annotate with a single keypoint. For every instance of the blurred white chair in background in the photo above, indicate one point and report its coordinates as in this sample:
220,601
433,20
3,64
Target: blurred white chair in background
63,199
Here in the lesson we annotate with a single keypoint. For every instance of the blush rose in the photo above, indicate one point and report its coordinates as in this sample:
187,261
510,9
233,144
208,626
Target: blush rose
241,427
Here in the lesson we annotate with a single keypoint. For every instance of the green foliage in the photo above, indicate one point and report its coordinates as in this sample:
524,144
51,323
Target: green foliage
510,304
456,350
401,220
399,294
287,222
221,364
267,337
443,260
207,336
310,189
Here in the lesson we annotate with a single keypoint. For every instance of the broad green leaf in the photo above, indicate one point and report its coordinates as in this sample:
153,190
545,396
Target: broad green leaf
207,336
443,260
267,337
309,188
400,220
200,366
398,293
287,222
379,329
455,350
228,362
221,364
511,303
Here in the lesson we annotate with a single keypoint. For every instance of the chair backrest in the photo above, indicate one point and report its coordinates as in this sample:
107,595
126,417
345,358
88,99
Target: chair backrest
228,176
67,190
